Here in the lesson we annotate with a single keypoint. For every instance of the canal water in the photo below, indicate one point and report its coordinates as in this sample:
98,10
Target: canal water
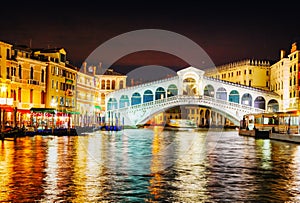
149,165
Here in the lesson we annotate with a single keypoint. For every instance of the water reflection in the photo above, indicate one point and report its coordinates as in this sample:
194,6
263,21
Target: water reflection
149,165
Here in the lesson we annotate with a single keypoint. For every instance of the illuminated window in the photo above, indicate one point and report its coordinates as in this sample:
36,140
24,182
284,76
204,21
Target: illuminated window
19,94
43,76
121,84
108,85
20,71
113,84
103,84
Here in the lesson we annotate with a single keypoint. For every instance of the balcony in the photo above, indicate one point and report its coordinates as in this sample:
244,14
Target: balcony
15,79
33,82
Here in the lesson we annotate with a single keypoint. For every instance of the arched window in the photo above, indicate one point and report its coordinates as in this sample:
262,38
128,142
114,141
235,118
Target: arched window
148,96
113,84
273,105
260,102
103,84
209,91
20,71
43,76
121,84
221,93
102,98
172,90
107,84
234,96
31,73
247,99
136,98
124,101
160,93
43,97
112,104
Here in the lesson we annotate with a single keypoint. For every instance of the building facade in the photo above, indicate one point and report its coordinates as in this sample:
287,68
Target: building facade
27,83
285,75
92,88
253,73
61,83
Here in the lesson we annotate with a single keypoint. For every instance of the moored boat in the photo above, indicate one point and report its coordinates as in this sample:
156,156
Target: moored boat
258,125
288,128
283,126
10,132
181,124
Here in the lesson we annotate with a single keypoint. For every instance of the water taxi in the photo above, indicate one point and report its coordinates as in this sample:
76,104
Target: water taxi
284,126
258,125
181,124
288,128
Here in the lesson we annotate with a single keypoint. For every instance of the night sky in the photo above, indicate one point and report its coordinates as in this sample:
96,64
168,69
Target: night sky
227,33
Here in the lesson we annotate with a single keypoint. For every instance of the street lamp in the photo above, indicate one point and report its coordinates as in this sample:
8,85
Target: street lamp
53,104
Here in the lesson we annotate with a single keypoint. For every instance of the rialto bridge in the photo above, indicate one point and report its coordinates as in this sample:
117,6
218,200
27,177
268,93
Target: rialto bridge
135,105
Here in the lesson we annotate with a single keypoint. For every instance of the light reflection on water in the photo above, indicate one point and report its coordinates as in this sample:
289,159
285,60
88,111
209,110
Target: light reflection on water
149,165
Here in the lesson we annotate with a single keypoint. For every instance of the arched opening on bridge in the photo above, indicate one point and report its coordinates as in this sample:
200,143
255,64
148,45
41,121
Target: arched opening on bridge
247,99
260,102
148,96
136,98
112,104
189,86
124,101
202,118
234,96
209,91
273,105
160,93
221,93
207,117
172,90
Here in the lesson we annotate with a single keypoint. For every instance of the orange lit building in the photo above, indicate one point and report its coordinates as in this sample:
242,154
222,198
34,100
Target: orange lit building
60,85
22,84
6,100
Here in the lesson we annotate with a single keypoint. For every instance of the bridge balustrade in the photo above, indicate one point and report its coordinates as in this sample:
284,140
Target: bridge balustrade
234,110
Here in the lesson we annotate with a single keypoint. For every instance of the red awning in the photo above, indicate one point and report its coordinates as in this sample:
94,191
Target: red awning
23,111
7,108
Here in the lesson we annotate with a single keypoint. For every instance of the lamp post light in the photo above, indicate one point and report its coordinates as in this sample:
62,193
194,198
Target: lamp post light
53,104
3,97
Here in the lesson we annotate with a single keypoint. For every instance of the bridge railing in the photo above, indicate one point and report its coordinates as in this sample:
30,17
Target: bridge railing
186,99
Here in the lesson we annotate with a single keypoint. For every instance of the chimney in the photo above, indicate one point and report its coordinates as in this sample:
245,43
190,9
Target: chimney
294,47
84,67
100,68
94,70
282,54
